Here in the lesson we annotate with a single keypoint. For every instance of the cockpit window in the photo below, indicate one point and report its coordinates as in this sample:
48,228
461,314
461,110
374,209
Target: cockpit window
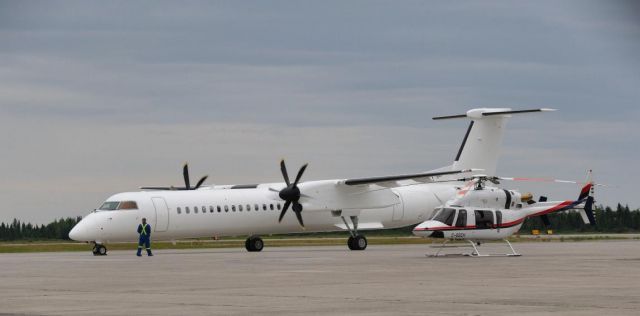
445,216
109,206
117,205
128,205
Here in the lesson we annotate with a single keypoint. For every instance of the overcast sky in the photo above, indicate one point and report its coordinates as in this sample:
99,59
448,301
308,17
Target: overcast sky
106,96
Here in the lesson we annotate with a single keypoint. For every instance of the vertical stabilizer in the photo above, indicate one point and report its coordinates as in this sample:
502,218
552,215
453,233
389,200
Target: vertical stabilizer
482,142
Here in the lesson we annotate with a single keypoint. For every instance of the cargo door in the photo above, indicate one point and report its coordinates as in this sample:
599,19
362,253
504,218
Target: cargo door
162,214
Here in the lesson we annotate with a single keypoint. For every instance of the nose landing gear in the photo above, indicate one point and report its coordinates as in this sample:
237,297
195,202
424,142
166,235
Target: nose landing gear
99,250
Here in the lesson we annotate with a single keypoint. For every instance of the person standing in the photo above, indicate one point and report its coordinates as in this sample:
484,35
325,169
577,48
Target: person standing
144,230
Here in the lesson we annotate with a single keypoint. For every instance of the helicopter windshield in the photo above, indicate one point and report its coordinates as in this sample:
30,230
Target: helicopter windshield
445,215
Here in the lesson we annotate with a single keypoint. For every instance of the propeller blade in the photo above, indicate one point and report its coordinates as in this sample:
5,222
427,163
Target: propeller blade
185,174
285,175
200,182
284,210
297,208
300,172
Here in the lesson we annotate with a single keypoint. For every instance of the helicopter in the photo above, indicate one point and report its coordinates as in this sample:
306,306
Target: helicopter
483,212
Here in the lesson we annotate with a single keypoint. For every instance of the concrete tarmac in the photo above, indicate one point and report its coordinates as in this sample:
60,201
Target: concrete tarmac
564,278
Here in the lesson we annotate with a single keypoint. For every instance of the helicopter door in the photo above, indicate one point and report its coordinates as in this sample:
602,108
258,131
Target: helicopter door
498,220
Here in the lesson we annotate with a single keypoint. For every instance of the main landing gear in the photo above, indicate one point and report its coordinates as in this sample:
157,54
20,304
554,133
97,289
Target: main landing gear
99,250
355,241
254,244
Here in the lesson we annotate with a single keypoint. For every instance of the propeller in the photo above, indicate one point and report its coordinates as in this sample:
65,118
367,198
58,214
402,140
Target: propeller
187,182
291,193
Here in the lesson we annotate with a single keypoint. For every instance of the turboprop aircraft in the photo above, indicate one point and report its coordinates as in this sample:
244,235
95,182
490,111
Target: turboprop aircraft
252,210
482,213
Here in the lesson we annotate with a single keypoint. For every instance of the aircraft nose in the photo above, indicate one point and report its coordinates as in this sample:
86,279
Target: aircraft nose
79,232
422,231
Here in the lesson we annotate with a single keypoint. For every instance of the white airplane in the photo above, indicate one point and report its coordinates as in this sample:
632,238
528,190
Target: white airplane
328,205
483,213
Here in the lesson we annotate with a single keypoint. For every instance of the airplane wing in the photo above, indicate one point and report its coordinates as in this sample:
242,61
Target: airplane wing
362,193
392,181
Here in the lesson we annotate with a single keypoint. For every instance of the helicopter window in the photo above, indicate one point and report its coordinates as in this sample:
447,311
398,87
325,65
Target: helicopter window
186,209
462,218
109,206
179,210
484,219
498,219
445,216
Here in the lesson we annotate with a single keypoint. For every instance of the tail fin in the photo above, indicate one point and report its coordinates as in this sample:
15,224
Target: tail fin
481,144
586,194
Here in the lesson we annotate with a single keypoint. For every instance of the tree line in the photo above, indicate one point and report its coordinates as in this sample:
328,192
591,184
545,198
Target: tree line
608,220
58,229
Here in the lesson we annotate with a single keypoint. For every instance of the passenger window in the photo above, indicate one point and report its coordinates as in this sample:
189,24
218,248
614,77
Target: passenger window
256,207
462,218
219,208
264,207
210,209
271,207
240,207
179,210
248,207
233,208
226,208
186,210
204,209
484,219
195,210
278,206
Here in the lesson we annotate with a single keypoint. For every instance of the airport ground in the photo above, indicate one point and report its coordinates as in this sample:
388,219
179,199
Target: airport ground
564,278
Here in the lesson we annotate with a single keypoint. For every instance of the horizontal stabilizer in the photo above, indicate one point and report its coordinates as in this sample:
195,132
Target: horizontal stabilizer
479,113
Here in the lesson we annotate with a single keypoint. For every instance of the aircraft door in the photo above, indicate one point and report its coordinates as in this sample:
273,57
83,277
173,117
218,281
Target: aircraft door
162,214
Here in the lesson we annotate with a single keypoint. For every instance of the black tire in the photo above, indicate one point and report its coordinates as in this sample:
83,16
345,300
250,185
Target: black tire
101,250
258,244
350,243
247,245
360,243
254,244
95,251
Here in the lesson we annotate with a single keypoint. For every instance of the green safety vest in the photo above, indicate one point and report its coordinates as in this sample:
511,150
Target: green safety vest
144,229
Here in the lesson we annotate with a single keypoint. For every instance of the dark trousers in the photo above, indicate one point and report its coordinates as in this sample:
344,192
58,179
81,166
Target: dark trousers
146,242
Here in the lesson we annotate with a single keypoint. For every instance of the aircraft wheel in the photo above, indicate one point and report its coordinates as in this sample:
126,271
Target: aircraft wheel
350,243
254,244
357,243
360,242
99,250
